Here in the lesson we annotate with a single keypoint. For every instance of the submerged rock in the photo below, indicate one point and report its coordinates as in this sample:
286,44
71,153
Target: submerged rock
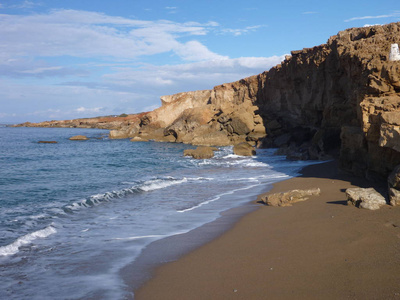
47,142
288,198
79,138
367,198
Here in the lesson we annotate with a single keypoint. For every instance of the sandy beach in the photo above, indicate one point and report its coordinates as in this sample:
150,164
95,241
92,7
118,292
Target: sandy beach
317,249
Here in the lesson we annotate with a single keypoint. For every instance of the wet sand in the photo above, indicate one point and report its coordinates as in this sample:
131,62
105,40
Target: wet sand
317,249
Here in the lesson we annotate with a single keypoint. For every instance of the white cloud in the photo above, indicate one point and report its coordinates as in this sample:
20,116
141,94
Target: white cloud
309,13
169,79
105,76
395,14
89,110
25,4
237,32
92,34
195,51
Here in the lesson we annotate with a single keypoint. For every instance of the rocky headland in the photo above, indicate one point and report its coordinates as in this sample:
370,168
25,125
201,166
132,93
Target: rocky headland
341,98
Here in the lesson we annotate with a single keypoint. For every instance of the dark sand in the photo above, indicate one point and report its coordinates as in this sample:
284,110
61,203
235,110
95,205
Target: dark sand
317,249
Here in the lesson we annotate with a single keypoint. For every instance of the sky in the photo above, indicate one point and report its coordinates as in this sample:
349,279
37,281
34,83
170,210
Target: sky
66,59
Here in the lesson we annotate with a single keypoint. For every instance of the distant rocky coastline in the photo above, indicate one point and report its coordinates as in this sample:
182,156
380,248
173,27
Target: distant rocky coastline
339,99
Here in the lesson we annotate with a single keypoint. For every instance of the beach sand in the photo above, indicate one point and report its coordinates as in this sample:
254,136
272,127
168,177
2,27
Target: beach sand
317,249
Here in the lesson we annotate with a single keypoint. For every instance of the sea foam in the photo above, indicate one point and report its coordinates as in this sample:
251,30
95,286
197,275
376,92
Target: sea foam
13,248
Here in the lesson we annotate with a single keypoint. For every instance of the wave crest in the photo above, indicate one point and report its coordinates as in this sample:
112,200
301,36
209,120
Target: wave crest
13,248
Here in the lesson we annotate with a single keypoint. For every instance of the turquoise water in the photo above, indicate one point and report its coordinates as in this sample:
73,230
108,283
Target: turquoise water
73,214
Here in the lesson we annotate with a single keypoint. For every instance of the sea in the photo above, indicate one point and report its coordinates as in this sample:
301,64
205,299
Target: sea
73,214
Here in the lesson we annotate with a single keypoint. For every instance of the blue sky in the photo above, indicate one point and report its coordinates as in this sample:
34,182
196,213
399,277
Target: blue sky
84,58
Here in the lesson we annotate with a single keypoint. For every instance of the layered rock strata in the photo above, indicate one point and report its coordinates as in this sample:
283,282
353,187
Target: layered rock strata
342,97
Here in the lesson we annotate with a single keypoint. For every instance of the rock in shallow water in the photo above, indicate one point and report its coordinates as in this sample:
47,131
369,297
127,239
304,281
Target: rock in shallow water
244,149
201,152
79,138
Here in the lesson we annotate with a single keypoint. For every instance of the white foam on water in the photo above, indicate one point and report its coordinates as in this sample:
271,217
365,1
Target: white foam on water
216,198
147,186
141,237
160,184
13,248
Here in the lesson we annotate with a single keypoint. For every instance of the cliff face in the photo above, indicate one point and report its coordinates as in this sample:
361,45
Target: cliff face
343,97
347,92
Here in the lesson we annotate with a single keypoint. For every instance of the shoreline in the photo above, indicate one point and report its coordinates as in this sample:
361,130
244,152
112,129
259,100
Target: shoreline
317,249
140,271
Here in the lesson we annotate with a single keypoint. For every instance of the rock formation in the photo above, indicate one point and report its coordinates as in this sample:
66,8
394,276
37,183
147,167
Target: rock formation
117,123
340,97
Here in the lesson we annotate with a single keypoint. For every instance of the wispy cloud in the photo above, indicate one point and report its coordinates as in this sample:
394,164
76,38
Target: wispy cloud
102,73
241,31
24,5
395,14
309,13
91,34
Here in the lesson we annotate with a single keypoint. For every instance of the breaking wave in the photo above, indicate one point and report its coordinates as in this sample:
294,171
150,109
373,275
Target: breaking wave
13,248
147,186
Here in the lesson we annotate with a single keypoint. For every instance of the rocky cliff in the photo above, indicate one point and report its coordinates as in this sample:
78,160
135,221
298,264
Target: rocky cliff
340,97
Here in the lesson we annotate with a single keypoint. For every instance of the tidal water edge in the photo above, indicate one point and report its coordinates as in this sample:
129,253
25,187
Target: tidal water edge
75,213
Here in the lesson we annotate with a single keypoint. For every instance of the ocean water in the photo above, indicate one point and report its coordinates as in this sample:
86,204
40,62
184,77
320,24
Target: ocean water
73,214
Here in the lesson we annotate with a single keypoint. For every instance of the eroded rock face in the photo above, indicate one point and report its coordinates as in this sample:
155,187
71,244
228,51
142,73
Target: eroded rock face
288,198
365,198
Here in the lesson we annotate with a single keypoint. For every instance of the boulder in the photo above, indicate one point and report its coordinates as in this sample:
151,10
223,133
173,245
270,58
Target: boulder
79,138
216,138
244,149
288,198
394,186
201,152
367,198
119,134
47,142
394,197
390,136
